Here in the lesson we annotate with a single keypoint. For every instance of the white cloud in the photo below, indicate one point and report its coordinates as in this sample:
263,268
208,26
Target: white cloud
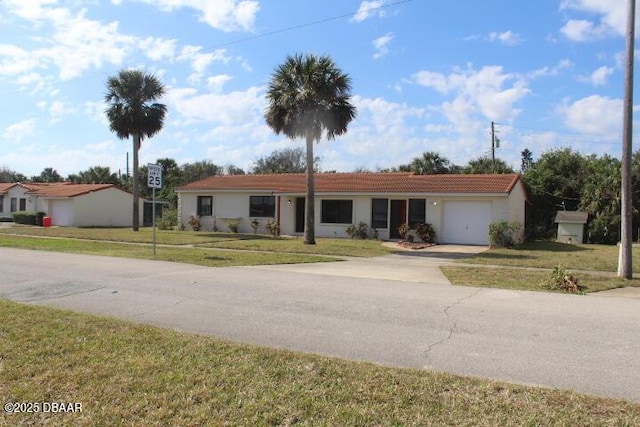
593,115
200,61
157,49
599,77
508,38
20,130
582,30
613,14
381,44
550,71
368,9
225,15
489,91
58,109
216,83
229,109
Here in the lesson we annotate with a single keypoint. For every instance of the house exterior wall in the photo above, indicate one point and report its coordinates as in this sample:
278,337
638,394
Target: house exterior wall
229,205
110,207
516,207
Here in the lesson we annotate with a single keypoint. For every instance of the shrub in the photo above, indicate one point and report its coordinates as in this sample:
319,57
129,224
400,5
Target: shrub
28,217
273,227
403,230
426,232
504,234
194,222
255,224
233,226
562,279
361,231
169,219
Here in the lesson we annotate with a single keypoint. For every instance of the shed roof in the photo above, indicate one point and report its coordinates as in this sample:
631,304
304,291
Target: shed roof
576,217
361,183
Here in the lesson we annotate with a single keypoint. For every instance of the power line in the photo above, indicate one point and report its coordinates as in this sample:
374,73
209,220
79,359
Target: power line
233,42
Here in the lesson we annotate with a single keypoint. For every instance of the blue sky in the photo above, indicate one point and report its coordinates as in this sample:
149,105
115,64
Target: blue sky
427,75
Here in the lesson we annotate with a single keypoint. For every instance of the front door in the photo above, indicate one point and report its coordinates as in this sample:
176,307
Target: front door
398,216
300,201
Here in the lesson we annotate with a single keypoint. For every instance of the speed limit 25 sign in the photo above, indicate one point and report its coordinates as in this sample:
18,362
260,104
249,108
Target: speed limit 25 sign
154,179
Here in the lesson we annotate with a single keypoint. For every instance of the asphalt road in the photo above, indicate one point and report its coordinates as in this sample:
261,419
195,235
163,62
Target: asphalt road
585,343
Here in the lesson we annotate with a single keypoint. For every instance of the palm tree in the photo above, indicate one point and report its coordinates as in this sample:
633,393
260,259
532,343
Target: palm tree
430,163
133,112
308,98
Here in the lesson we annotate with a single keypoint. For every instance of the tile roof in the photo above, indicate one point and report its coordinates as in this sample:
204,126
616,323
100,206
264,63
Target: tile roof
64,189
361,183
55,189
6,186
575,217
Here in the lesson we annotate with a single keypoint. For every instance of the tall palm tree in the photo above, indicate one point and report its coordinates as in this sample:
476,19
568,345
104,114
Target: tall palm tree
133,112
308,98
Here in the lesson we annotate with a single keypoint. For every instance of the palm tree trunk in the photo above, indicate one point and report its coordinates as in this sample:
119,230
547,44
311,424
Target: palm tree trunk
310,217
135,223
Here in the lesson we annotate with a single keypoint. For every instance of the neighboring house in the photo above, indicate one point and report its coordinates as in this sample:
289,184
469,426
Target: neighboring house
460,207
77,205
571,226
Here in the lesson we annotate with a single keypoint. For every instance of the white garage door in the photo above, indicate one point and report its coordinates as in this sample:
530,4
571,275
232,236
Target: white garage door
467,222
62,213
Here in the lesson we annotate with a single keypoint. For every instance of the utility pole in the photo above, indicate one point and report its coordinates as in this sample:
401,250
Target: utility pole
624,261
495,143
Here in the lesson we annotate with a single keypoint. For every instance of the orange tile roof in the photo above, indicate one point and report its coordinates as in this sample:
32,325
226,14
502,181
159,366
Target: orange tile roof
63,189
361,183
6,186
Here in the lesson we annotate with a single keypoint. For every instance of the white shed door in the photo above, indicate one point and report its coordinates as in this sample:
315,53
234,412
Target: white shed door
467,223
62,213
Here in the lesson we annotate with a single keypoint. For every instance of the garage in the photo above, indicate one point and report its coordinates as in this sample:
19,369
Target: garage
467,223
62,213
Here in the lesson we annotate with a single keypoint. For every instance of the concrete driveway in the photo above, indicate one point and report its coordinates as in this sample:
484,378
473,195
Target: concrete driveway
420,266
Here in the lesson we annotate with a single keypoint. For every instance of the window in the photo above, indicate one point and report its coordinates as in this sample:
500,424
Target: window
417,212
337,211
379,213
1,203
205,205
23,204
14,204
262,206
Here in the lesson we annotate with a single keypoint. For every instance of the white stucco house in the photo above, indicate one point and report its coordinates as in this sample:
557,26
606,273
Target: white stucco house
460,207
74,205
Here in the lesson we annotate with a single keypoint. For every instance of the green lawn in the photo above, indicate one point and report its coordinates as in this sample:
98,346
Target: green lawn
199,256
260,242
128,374
547,254
527,280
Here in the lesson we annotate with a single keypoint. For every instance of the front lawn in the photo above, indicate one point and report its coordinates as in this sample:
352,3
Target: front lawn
526,280
129,374
199,256
547,254
239,241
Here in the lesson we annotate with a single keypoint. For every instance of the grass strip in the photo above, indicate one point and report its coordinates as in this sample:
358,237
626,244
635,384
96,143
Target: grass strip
526,280
205,257
325,246
129,374
256,242
547,254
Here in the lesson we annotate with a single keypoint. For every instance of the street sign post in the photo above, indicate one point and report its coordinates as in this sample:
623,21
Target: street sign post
154,180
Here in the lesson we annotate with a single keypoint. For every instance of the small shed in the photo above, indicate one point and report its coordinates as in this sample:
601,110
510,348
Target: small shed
571,226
